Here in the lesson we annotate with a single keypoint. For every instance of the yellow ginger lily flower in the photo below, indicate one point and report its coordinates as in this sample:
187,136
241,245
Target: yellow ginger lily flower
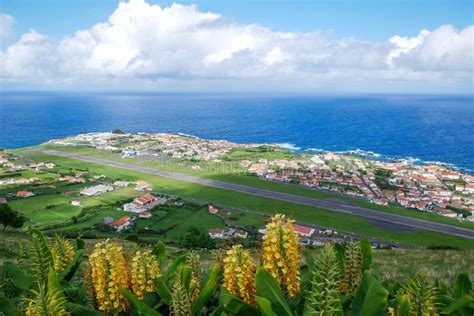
144,271
281,254
109,276
62,251
239,274
194,261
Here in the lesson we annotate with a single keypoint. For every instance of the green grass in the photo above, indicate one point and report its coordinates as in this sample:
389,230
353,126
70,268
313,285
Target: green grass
398,265
281,187
338,221
256,153
232,172
178,220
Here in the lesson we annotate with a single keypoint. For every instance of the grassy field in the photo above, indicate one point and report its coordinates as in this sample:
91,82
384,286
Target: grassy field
398,265
304,214
176,221
231,171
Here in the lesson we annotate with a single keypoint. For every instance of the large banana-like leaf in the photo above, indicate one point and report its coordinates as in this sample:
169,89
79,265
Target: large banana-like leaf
460,306
71,269
309,259
366,250
141,308
401,306
163,291
80,244
265,306
371,297
19,278
7,307
268,288
186,275
170,272
54,285
160,250
81,310
234,305
208,290
462,285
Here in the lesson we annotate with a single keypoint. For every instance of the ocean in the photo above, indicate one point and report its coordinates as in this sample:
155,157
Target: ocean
419,127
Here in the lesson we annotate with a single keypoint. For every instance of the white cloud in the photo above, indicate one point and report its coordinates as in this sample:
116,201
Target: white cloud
31,57
185,46
444,49
6,27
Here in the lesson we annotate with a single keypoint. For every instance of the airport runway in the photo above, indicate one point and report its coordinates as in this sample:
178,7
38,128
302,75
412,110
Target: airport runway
384,219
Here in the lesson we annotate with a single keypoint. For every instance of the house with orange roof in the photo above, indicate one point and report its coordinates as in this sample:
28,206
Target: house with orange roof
122,223
212,210
304,231
24,193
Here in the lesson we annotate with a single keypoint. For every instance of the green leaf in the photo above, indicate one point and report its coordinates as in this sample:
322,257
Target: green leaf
339,249
160,250
268,288
174,266
141,307
80,310
71,269
371,297
54,285
401,306
163,291
186,275
462,285
309,259
219,311
265,306
80,244
19,278
235,305
7,307
458,306
208,290
441,287
366,250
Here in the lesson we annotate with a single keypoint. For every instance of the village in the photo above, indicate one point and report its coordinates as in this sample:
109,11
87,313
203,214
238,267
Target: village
433,188
427,188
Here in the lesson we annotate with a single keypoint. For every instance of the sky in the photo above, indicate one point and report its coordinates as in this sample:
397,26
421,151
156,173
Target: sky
296,46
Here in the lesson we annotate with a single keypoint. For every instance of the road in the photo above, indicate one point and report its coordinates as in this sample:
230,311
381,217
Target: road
376,217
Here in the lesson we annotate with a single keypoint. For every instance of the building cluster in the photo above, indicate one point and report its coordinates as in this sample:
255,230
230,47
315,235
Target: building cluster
176,146
10,162
310,236
424,187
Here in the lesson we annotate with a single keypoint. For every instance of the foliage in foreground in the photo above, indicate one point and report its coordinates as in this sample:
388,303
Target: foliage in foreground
280,282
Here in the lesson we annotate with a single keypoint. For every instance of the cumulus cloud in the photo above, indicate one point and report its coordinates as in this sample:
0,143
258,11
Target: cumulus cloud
31,57
140,41
6,26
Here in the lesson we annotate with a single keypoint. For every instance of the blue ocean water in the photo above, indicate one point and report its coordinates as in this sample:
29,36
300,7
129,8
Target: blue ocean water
431,128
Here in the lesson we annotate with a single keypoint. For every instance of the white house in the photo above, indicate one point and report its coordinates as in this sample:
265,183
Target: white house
96,190
216,233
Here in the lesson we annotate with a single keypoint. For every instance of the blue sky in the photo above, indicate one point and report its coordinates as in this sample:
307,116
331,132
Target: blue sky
368,19
311,46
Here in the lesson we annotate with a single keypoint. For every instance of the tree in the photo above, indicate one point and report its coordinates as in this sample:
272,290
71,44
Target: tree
10,217
117,131
195,238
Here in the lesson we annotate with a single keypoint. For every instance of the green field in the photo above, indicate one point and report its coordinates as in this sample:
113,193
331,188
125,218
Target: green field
178,220
296,190
304,214
230,171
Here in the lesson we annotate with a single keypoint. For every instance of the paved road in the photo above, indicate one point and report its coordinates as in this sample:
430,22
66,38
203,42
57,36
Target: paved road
384,219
